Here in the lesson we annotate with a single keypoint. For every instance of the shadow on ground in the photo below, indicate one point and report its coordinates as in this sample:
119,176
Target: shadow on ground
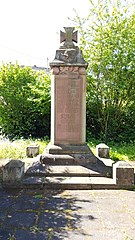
47,214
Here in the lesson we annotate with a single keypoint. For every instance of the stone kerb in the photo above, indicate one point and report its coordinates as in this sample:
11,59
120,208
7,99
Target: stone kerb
123,173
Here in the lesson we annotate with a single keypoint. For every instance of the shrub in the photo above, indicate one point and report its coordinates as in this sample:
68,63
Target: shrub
24,102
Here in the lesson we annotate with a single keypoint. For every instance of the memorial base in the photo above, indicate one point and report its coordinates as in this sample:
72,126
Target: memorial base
68,154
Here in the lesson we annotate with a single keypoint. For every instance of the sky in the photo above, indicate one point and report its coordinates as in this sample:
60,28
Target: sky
29,29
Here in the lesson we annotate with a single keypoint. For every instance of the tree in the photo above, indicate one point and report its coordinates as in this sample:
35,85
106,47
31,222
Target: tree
24,102
108,43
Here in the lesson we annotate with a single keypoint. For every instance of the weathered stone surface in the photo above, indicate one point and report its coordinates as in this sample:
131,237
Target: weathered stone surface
68,37
56,159
68,106
123,173
13,172
37,169
68,56
33,182
68,53
32,151
80,153
67,148
102,150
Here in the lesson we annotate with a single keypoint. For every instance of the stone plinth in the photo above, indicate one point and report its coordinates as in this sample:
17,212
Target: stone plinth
123,173
68,154
32,151
102,150
13,172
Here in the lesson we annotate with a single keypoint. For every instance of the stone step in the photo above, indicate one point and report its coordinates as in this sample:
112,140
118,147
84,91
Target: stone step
67,149
65,159
68,153
62,170
76,183
57,159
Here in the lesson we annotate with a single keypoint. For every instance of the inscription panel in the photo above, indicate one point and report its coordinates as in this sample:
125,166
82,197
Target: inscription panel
68,109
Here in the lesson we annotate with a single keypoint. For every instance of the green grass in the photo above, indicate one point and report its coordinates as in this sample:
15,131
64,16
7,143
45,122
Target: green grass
17,149
125,151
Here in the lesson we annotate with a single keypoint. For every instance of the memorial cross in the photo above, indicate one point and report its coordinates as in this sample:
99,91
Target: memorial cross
68,37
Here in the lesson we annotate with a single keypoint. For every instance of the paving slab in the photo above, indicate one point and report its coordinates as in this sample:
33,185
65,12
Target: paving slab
67,214
31,235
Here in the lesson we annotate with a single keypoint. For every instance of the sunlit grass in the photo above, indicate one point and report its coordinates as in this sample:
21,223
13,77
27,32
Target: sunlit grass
123,151
17,149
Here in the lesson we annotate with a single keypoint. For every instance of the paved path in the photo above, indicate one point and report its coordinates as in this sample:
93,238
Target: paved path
75,215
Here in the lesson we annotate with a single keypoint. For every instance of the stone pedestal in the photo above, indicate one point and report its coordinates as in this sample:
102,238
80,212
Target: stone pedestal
102,151
13,172
123,173
32,151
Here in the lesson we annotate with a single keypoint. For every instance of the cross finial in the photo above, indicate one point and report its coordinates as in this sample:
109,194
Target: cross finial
68,37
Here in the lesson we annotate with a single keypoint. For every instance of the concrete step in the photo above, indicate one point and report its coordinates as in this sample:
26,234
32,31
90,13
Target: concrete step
62,170
76,183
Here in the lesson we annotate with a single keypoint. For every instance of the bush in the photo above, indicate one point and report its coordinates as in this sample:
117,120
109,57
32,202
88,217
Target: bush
24,102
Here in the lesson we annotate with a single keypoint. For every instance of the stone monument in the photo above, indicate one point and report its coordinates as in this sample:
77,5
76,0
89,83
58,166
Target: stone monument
68,101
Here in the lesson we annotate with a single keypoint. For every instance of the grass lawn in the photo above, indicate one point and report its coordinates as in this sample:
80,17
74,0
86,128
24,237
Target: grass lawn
17,149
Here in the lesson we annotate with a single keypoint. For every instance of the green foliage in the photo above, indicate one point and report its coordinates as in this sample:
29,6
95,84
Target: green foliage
125,151
108,44
24,102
